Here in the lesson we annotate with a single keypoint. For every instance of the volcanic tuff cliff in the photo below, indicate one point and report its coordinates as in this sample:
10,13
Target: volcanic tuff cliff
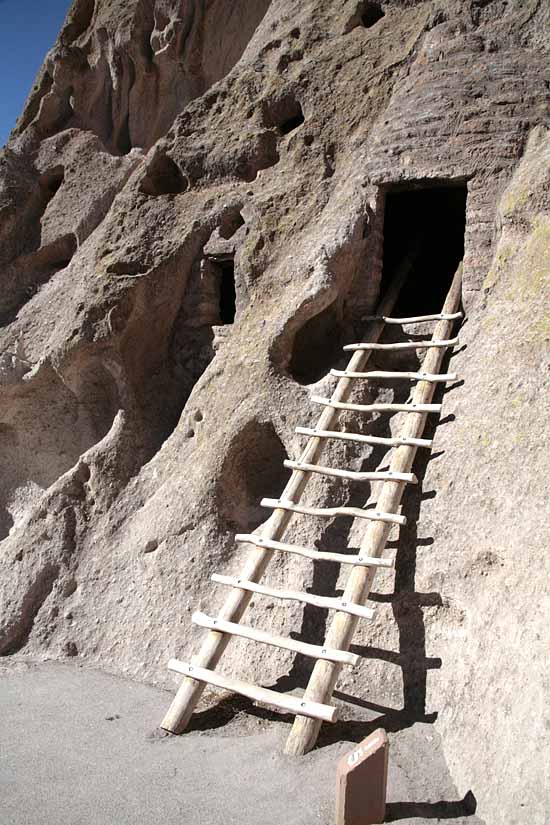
167,143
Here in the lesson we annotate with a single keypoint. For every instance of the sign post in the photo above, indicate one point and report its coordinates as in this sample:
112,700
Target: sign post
361,782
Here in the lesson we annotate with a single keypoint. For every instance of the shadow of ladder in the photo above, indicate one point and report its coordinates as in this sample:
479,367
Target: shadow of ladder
312,709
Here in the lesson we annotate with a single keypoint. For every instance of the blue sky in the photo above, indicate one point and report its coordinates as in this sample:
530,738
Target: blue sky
28,29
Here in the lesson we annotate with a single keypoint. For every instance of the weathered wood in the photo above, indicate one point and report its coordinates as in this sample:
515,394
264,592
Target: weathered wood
324,677
414,407
189,693
415,319
281,701
439,344
353,475
315,555
365,439
324,602
342,657
410,376
330,512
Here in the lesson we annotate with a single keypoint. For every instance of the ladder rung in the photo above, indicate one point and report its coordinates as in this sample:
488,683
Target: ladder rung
366,439
341,405
415,319
325,602
329,512
408,478
293,704
342,657
316,555
403,345
413,376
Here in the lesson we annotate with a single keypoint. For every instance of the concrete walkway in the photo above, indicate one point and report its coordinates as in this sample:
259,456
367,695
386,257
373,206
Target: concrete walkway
79,747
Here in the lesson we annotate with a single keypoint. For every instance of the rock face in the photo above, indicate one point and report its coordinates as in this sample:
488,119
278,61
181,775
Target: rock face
170,150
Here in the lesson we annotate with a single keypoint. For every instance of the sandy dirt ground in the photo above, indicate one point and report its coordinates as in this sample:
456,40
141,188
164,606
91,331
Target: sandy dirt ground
81,747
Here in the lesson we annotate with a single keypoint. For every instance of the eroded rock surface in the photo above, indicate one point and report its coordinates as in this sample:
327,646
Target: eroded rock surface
169,150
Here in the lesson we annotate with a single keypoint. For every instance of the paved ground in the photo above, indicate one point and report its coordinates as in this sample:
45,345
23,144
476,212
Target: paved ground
79,747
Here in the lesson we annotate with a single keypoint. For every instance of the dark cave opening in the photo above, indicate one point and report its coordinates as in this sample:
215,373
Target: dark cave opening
433,216
228,294
366,14
51,181
293,122
163,177
370,14
285,114
122,140
231,224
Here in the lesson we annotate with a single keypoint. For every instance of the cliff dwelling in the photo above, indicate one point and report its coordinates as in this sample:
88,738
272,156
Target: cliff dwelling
273,421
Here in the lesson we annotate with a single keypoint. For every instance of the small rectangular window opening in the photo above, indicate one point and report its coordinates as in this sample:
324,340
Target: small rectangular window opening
228,295
435,215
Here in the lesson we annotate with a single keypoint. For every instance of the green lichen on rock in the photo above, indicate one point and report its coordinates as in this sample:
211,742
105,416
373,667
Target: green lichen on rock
501,262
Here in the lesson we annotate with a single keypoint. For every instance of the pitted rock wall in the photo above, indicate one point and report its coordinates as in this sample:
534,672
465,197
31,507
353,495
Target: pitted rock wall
138,436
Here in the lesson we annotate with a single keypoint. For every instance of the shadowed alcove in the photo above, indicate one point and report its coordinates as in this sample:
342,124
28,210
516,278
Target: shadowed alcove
317,346
253,468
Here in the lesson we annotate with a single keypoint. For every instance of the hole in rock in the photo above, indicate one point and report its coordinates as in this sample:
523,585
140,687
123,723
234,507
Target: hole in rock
145,44
292,123
122,140
219,294
366,14
253,469
317,346
230,225
370,13
228,296
284,114
54,256
51,180
163,177
203,322
435,217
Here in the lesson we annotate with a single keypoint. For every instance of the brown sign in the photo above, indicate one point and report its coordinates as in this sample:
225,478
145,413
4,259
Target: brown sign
361,781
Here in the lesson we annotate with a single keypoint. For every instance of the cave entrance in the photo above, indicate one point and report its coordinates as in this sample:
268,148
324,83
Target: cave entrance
433,215
227,292
219,294
292,122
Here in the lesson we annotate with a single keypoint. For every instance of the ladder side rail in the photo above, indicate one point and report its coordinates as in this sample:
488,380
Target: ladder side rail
184,702
342,628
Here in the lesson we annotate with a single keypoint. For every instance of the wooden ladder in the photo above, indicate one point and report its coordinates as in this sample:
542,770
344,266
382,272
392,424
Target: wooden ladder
313,708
